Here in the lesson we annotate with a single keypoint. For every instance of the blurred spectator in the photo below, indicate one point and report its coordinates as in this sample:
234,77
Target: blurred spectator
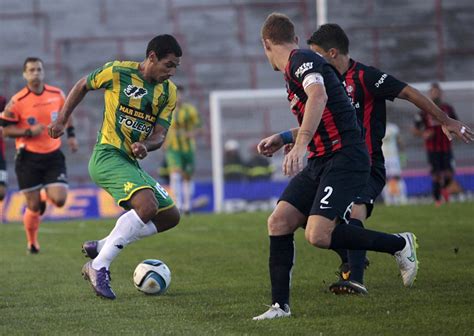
394,192
258,166
234,167
437,145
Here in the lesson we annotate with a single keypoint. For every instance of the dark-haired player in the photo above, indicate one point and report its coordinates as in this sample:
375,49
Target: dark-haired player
39,162
139,101
318,197
437,145
369,88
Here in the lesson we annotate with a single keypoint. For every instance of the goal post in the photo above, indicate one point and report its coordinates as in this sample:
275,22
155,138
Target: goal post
250,115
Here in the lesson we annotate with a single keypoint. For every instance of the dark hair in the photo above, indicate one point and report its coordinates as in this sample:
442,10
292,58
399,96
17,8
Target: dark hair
330,35
163,45
180,88
435,85
278,28
31,60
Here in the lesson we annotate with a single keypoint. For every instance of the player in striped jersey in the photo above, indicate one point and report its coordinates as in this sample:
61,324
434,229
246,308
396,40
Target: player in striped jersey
368,89
180,151
437,145
139,101
319,196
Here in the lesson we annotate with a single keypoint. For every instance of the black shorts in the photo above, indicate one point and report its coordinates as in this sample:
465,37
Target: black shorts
328,185
35,171
440,161
374,187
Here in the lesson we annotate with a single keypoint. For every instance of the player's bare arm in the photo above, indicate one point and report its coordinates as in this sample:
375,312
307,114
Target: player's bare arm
12,131
272,144
154,142
317,98
78,92
450,126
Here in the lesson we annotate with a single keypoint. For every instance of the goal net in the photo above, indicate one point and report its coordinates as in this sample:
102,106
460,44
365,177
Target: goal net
244,117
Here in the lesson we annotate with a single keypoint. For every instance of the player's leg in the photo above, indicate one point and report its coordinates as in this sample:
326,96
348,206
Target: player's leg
446,174
188,184
30,181
57,193
53,167
289,214
361,211
342,180
32,219
175,163
435,163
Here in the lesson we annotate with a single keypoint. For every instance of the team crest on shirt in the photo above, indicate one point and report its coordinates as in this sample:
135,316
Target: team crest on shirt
134,91
31,121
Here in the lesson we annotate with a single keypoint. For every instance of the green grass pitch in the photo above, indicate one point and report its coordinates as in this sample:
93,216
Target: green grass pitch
220,280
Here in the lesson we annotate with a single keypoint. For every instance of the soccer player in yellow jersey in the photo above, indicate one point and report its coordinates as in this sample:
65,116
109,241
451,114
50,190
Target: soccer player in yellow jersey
139,101
180,151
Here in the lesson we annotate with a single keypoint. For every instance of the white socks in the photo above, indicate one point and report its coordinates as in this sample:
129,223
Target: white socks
188,191
129,228
175,184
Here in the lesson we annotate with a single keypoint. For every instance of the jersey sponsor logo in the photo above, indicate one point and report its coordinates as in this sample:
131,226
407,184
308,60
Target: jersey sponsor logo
303,68
136,125
381,80
128,186
136,113
134,91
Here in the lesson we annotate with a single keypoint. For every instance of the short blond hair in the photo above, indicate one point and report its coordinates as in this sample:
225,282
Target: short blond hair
278,28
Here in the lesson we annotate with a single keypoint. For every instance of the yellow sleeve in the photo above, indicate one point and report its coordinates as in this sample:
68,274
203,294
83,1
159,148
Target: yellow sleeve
195,118
101,77
166,115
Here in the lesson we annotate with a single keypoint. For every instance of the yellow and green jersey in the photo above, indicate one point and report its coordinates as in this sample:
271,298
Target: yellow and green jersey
186,118
133,106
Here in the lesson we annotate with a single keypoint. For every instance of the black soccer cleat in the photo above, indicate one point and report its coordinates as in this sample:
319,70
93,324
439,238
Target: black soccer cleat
32,249
345,271
351,287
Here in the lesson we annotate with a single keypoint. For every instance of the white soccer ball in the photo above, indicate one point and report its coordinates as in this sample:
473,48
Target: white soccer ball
152,276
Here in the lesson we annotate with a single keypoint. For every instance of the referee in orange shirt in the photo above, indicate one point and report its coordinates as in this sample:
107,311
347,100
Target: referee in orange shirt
39,162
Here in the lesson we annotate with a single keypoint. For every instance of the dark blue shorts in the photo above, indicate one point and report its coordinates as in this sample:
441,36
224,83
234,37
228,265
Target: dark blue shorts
328,185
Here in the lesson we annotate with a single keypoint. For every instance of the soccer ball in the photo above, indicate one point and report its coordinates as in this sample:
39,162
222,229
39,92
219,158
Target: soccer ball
152,276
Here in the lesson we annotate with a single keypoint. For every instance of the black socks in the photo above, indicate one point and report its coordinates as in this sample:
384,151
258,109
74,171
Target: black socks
352,237
282,252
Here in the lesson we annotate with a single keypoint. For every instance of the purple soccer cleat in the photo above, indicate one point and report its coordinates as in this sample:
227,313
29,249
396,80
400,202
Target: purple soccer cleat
100,280
89,248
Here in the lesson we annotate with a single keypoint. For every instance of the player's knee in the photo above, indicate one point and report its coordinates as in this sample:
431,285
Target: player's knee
278,224
318,238
318,241
147,211
59,202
